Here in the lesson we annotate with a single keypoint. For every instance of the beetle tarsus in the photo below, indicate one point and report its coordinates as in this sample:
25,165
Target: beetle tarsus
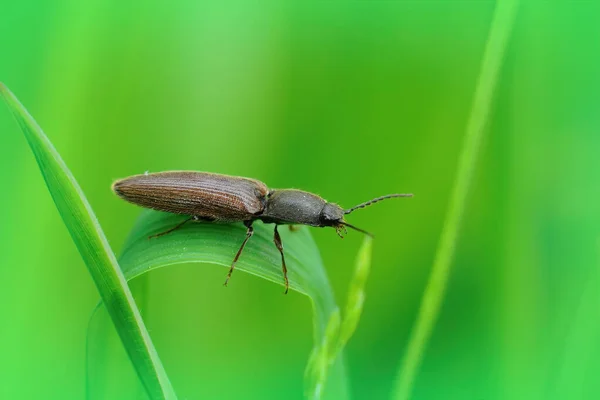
179,225
277,240
249,234
294,228
341,231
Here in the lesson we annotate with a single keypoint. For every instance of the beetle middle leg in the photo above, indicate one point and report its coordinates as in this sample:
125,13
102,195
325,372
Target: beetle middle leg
277,240
249,234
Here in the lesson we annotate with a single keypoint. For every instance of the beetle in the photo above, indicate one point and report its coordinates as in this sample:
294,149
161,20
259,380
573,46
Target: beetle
204,196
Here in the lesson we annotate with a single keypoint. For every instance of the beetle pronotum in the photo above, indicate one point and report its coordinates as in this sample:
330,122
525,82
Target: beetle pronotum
212,197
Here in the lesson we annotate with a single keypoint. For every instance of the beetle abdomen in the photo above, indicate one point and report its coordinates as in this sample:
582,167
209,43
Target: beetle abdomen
216,196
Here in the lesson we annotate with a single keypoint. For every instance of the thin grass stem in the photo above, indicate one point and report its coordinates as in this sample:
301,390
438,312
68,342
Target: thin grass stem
436,287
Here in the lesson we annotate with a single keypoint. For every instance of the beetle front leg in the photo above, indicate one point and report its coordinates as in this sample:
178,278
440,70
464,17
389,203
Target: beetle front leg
249,234
277,240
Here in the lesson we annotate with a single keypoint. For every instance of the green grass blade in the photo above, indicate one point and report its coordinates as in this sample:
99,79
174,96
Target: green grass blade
321,358
97,254
210,243
356,293
436,286
217,244
339,331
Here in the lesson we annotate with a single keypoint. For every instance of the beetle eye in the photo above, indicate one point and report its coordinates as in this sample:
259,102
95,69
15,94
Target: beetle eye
324,217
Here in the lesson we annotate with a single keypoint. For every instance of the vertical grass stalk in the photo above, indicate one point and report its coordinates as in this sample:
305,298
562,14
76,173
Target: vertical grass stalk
79,218
436,286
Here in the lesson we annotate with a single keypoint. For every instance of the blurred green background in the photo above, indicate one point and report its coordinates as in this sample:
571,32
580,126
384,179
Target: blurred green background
349,100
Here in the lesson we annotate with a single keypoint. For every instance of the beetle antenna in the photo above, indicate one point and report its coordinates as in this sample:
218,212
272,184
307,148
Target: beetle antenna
357,229
375,200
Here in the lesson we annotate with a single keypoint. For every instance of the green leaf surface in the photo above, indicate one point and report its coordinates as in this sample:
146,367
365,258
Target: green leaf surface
96,253
217,244
210,243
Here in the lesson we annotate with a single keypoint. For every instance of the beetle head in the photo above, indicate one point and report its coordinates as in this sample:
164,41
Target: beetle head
331,214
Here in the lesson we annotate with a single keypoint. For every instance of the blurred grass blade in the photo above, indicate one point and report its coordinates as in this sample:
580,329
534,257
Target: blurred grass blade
338,332
436,287
356,293
321,358
210,243
95,251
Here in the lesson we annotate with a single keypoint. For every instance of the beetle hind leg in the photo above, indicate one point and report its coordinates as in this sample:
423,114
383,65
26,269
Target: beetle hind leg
179,225
249,234
277,240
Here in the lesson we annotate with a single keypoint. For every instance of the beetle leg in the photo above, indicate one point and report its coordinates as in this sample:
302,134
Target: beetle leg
340,230
294,228
249,234
277,240
179,225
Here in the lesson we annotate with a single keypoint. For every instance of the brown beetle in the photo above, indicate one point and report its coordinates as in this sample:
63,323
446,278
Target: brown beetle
221,198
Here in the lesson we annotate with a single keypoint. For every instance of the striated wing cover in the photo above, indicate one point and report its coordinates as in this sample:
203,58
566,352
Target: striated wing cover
212,196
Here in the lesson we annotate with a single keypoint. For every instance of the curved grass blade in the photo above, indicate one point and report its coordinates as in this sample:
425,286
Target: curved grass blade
85,231
438,278
211,243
